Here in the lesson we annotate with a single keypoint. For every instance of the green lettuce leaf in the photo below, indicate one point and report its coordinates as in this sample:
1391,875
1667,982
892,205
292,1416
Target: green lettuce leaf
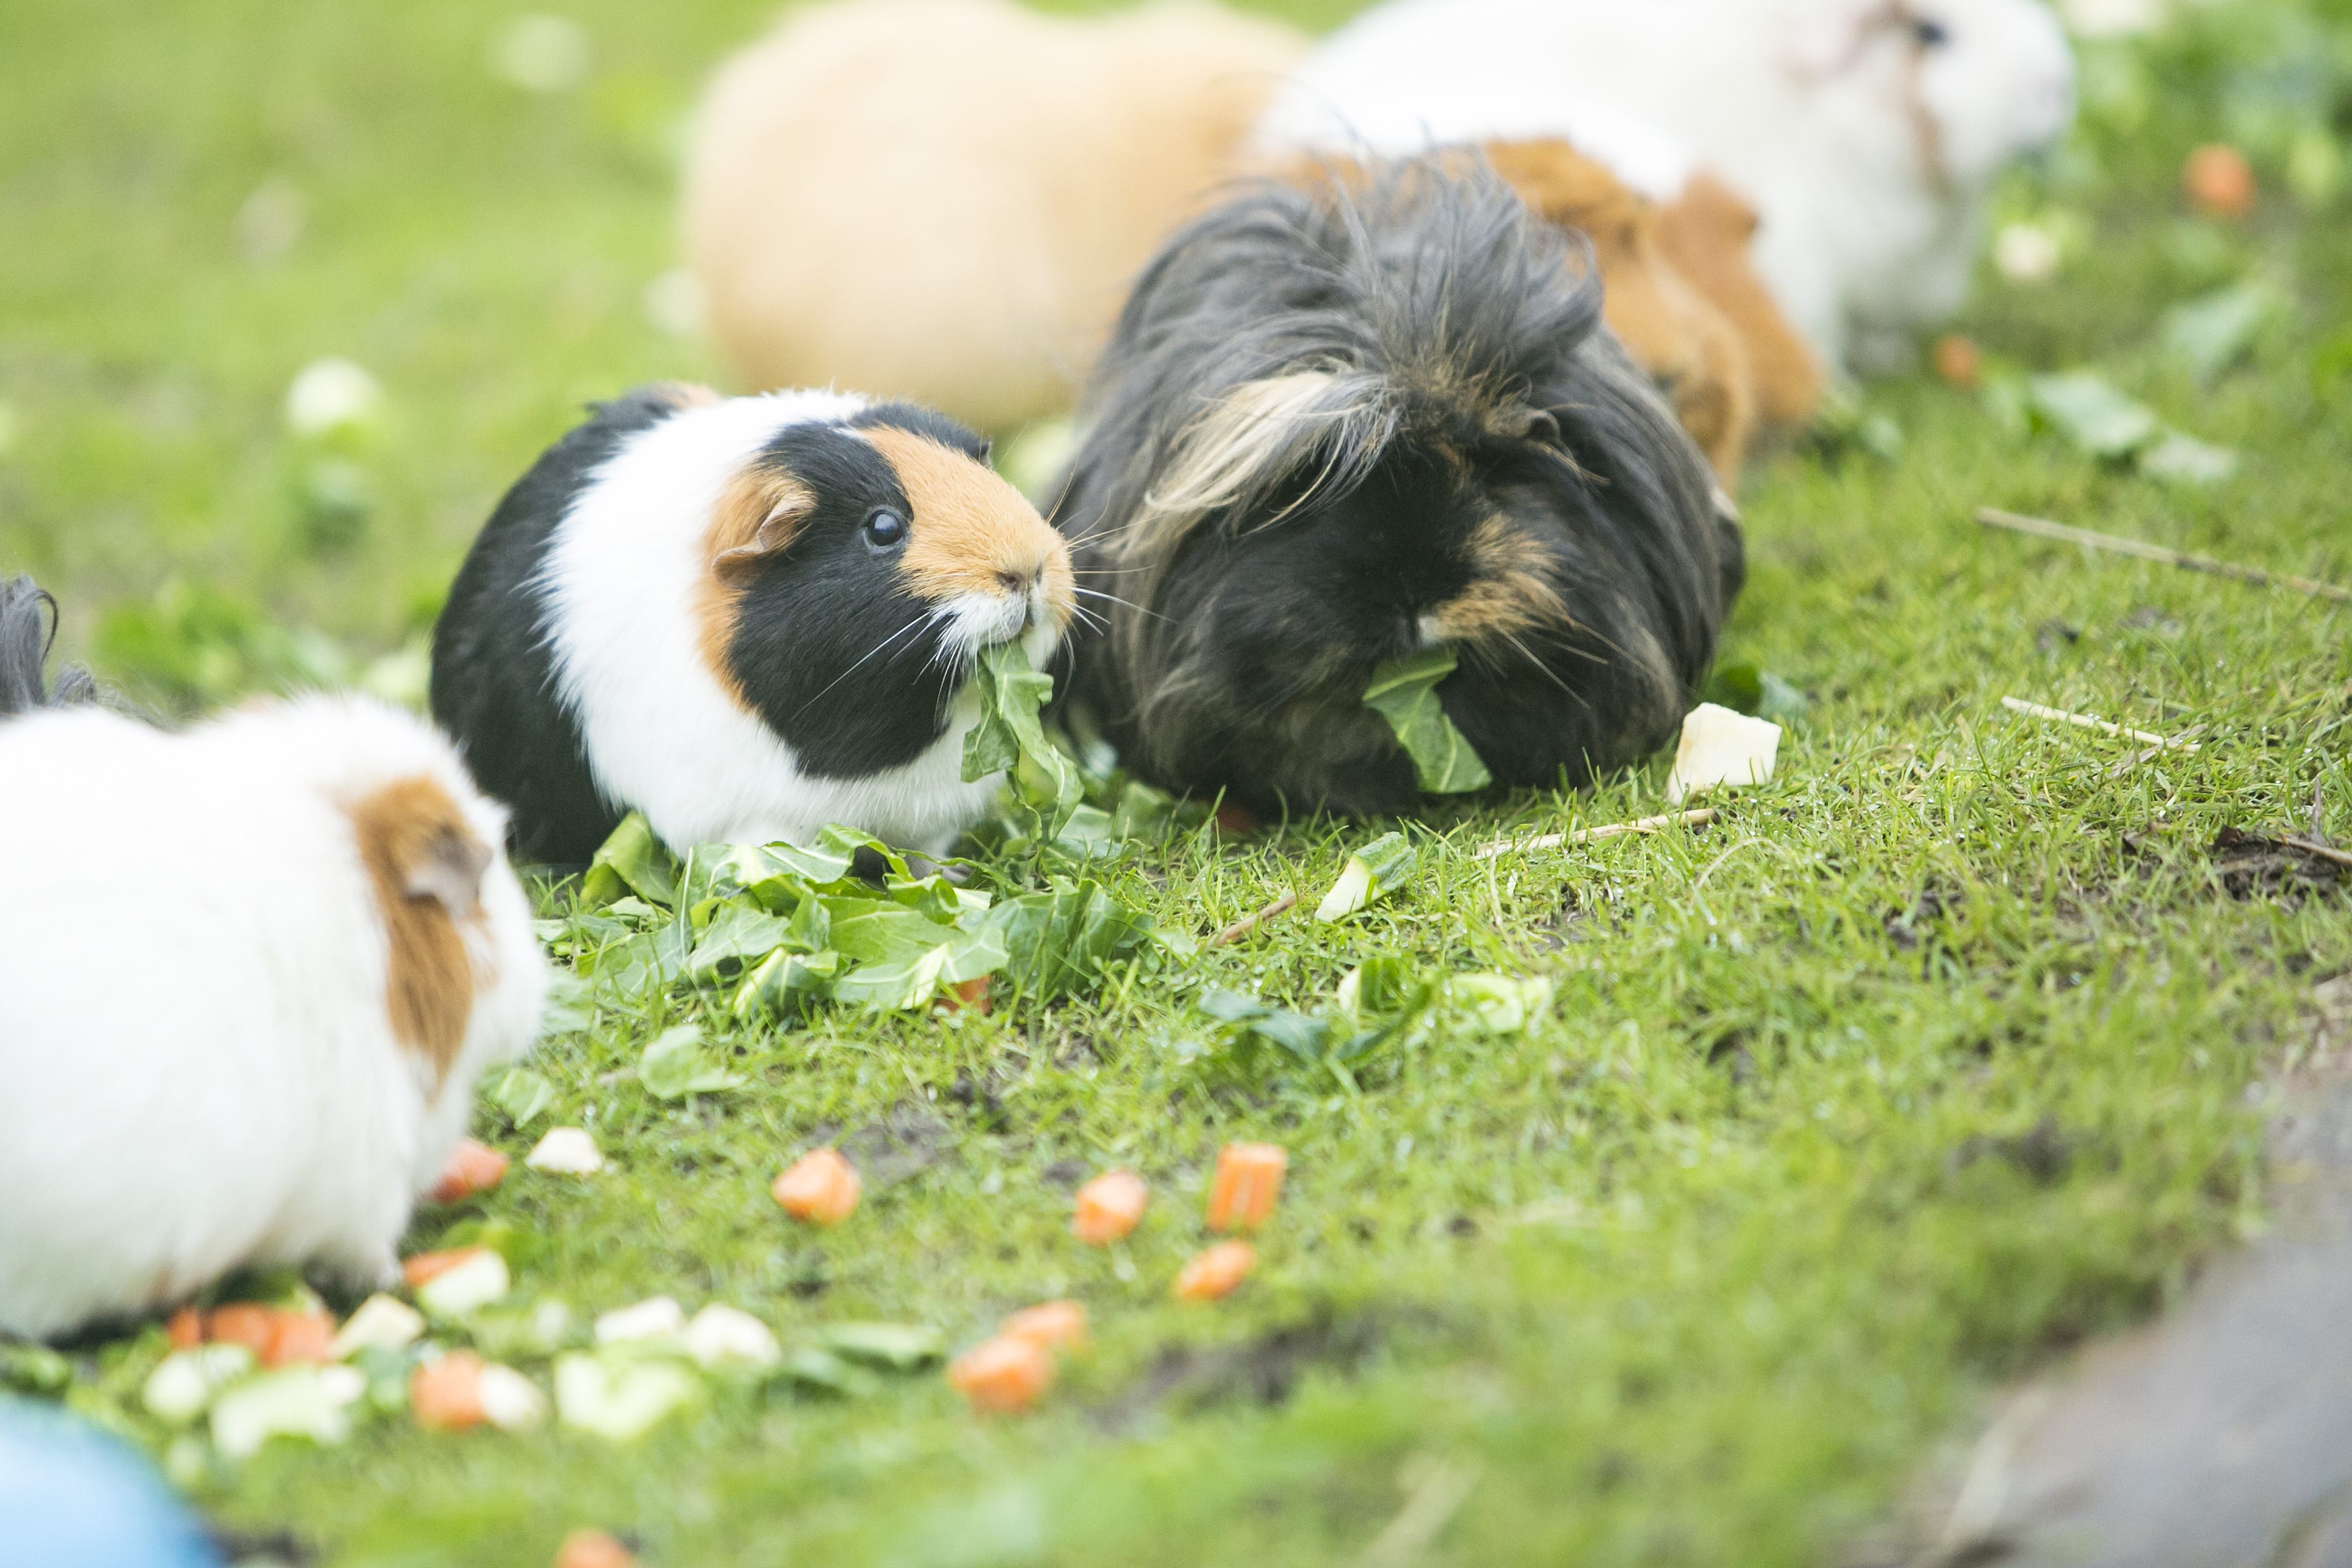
1373,872
1404,692
631,860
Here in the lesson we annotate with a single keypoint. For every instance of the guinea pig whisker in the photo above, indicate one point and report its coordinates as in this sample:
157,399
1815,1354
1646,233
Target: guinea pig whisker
853,669
1127,603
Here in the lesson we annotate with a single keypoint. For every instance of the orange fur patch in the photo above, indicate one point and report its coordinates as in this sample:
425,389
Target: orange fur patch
1704,233
427,867
758,512
973,532
1687,342
1510,589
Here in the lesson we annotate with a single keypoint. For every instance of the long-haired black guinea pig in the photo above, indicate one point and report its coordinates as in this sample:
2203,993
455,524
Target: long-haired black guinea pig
1346,418
746,618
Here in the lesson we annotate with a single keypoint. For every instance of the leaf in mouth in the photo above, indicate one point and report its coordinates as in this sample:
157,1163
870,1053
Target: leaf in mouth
1404,692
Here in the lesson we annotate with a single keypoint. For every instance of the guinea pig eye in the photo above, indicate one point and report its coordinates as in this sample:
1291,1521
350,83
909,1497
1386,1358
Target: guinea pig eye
884,530
1929,34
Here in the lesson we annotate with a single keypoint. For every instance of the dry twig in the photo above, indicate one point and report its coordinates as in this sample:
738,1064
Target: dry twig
2313,847
2085,722
2149,755
1591,834
1248,923
2017,523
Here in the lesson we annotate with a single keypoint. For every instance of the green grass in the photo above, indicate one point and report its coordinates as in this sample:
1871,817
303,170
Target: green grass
1693,1271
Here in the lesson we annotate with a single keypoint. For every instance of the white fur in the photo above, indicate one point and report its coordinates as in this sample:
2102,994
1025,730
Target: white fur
1800,106
662,734
197,1068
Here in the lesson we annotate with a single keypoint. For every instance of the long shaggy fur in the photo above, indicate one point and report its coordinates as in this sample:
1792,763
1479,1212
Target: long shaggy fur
1338,424
28,625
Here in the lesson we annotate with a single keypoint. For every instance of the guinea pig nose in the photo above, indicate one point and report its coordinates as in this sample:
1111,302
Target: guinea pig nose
1012,582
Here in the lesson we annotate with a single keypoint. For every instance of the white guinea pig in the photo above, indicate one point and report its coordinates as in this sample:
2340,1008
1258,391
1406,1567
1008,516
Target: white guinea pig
746,618
1863,132
249,974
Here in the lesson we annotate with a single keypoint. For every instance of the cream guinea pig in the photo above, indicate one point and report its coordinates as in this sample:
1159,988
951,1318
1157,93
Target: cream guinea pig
248,975
745,618
1863,132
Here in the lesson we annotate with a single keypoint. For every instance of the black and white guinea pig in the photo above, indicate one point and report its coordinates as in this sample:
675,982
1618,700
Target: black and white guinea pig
746,618
1344,420
274,1083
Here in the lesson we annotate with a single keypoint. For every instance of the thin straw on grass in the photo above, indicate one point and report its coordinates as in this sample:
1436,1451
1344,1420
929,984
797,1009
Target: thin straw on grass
1593,834
1248,923
2017,523
2085,722
2149,755
2323,851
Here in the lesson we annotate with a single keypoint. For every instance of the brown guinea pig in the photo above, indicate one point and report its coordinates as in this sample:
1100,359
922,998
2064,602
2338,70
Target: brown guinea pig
946,200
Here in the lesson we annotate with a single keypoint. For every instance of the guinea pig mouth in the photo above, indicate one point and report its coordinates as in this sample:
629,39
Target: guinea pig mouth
978,621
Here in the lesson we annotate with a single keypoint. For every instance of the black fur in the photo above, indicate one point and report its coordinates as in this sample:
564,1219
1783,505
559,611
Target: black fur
27,627
833,650
492,673
835,653
1469,378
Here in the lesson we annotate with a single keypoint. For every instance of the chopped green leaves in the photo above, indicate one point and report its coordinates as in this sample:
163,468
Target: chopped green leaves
632,860
1404,692
1010,738
1373,872
678,1063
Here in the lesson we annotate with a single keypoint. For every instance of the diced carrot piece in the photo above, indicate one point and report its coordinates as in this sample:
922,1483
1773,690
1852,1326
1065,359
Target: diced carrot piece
820,1188
1239,820
1109,1207
1211,1275
1957,360
968,994
1049,1325
2219,181
593,1549
445,1395
1005,1374
299,1337
1248,1181
246,1324
426,1267
186,1329
473,1168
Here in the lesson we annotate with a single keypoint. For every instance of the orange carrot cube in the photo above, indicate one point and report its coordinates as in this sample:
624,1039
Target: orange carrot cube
1049,1325
186,1329
1957,360
2219,181
1213,1274
427,1267
299,1337
820,1188
1109,1207
593,1549
967,993
445,1395
1003,1375
473,1168
246,1324
1248,1181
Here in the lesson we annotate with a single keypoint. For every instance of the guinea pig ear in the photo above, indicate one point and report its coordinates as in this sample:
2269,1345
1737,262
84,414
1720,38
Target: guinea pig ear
1524,424
758,514
446,867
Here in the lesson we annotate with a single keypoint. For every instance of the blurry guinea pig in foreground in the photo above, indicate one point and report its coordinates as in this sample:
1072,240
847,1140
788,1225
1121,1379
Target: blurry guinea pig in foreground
945,200
1340,424
273,1079
746,618
1865,132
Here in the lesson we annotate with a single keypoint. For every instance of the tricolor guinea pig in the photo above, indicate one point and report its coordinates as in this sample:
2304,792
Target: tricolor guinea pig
1343,424
745,618
276,1080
